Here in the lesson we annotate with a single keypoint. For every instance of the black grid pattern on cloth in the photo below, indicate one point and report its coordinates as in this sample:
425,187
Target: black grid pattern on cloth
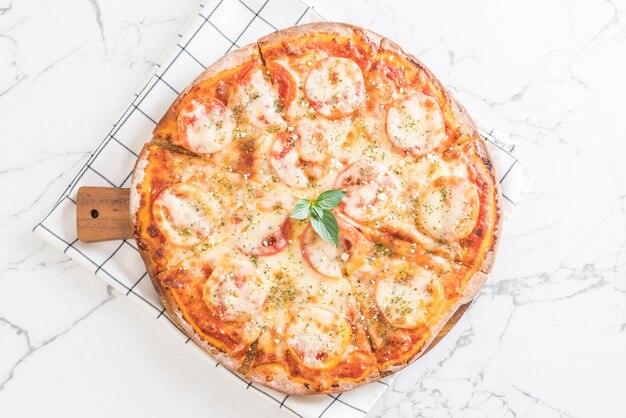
112,162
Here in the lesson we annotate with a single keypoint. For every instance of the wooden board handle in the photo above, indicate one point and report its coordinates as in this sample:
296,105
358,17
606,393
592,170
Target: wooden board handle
102,214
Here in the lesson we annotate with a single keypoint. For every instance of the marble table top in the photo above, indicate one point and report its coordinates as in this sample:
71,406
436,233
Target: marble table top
546,336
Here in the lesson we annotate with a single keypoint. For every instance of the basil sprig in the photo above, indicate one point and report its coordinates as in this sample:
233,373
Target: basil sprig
322,219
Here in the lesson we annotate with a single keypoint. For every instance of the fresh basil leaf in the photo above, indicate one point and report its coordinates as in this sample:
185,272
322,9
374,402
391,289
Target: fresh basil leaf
330,198
326,227
301,210
316,211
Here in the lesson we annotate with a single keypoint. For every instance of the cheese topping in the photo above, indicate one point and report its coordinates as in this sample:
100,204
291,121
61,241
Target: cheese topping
301,156
285,81
372,190
405,293
318,337
323,257
415,123
185,214
448,208
205,126
259,100
234,290
261,228
287,164
335,87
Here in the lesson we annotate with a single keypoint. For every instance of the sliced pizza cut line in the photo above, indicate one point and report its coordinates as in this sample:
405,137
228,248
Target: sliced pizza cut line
406,296
420,116
447,204
216,297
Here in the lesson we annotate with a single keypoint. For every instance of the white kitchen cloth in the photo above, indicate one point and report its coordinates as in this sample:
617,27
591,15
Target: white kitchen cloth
219,27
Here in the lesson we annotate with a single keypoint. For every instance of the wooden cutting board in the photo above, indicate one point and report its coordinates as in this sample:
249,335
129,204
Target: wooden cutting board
102,214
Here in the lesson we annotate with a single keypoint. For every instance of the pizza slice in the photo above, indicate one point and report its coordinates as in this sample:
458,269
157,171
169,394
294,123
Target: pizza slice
409,108
215,297
318,71
224,111
447,204
406,296
179,202
218,294
313,340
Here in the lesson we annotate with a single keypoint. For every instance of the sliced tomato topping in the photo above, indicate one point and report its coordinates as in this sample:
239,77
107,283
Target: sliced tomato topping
372,190
285,82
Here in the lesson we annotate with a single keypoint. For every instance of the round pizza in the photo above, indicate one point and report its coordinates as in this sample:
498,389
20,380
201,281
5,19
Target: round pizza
314,207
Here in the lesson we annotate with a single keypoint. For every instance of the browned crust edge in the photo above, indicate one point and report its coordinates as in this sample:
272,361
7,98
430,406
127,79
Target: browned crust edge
460,113
231,60
176,315
283,384
237,57
344,29
490,254
472,289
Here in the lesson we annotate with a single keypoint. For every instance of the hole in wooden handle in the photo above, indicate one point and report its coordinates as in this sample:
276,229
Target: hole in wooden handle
111,219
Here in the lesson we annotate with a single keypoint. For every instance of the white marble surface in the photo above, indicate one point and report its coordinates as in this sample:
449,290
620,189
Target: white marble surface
547,335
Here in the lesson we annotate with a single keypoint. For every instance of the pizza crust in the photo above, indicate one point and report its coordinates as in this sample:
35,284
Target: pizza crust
226,360
283,384
490,254
227,62
239,57
460,113
342,29
472,289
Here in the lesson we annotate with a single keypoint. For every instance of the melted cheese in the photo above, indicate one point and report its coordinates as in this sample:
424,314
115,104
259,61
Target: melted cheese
372,190
185,214
234,291
294,287
285,161
320,138
259,100
301,156
405,293
323,257
415,123
335,87
261,228
205,126
448,208
318,337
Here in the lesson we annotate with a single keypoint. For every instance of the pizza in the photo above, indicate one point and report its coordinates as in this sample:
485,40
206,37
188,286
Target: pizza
317,107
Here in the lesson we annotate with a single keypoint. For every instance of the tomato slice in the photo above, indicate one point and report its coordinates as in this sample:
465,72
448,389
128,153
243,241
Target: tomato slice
261,229
284,81
372,190
234,290
325,258
205,125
